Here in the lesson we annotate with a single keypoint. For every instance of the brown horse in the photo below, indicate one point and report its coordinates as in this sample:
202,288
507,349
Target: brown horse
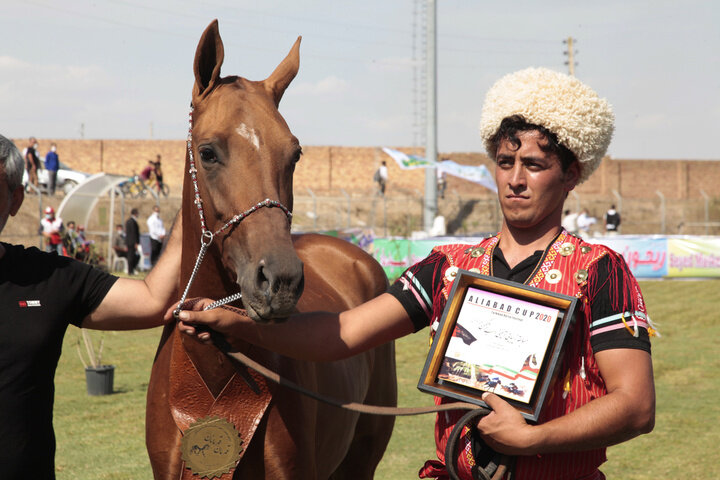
245,153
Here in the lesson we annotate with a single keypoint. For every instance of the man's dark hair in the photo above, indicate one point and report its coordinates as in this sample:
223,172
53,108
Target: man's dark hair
511,126
134,211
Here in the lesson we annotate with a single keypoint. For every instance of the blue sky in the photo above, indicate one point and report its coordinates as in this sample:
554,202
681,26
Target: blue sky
123,68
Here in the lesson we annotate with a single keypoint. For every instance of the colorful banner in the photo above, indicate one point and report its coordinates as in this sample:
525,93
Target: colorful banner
473,173
694,257
646,256
406,161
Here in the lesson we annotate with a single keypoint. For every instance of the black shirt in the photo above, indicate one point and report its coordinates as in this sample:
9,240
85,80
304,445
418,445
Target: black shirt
40,294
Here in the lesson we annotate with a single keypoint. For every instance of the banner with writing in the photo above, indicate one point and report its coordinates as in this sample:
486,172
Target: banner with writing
646,256
694,257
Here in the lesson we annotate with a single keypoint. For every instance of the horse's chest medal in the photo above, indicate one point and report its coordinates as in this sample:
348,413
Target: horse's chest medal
211,447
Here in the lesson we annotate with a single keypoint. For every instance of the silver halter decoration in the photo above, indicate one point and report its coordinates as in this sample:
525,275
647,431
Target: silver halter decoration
206,237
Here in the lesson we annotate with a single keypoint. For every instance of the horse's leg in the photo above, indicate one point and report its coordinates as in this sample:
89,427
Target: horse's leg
162,437
373,432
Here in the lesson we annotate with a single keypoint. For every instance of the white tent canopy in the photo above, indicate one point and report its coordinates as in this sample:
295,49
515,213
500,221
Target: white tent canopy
81,201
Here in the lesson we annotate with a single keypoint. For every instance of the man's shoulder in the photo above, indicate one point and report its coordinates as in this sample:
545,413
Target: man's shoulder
455,247
32,255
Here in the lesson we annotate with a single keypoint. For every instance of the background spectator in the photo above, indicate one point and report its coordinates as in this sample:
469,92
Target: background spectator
52,164
51,229
569,222
32,161
157,234
132,241
381,177
612,220
119,242
584,222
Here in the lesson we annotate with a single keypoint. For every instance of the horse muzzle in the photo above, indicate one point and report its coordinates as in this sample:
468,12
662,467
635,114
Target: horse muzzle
272,287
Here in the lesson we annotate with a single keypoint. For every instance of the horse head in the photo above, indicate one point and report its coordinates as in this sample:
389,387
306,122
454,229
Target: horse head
243,153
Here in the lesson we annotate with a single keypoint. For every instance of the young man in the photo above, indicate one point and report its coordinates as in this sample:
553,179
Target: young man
546,132
40,295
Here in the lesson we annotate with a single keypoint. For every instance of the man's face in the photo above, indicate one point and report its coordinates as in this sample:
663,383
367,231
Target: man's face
531,184
9,201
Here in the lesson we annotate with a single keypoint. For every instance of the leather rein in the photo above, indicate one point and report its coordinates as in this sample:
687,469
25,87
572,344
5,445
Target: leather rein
497,467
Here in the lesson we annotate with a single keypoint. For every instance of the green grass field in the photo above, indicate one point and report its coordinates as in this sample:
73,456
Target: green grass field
103,437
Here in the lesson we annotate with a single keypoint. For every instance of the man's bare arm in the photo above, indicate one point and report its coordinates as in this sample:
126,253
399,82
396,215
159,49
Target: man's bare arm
134,304
317,336
627,411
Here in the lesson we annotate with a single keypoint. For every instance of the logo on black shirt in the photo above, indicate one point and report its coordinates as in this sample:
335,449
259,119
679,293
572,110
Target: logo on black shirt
29,303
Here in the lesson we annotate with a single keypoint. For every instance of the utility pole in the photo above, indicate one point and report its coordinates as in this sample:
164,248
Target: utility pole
419,47
570,52
430,206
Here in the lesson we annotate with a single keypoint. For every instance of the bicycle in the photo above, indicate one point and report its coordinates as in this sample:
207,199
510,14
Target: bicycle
133,187
161,187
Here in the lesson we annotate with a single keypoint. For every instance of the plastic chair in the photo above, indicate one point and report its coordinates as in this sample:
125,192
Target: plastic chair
119,264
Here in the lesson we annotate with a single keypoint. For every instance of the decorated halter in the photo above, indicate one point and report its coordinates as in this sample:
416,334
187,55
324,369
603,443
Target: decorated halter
207,236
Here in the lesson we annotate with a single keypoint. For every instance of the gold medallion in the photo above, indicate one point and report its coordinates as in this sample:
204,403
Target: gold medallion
581,275
553,276
585,249
211,447
475,270
450,273
567,249
476,252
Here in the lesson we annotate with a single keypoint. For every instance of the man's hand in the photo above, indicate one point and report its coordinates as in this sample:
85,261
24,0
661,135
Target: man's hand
192,316
505,429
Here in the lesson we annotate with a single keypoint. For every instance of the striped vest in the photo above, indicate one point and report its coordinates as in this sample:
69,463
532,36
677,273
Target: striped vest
566,267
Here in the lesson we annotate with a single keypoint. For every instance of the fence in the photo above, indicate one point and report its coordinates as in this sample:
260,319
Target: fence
400,215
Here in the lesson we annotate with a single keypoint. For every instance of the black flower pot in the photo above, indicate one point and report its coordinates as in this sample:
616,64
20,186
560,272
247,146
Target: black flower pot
100,379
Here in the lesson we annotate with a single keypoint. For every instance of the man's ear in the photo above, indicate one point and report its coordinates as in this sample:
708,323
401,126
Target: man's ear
572,175
16,200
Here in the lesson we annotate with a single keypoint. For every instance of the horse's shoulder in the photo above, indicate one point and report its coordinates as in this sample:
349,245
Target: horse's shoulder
329,245
327,252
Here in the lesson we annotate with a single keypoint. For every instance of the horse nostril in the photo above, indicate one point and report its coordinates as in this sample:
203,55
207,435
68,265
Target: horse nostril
262,281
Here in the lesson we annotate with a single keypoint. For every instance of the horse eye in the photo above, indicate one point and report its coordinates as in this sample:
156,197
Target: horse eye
207,155
298,154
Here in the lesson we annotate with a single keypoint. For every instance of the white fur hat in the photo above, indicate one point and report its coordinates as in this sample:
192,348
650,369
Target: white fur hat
582,121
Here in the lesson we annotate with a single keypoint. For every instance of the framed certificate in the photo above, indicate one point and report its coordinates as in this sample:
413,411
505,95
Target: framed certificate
501,337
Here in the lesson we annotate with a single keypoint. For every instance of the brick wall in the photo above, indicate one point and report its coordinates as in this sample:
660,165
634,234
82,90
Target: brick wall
331,168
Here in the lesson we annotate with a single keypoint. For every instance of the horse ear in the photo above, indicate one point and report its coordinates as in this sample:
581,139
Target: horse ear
279,80
209,57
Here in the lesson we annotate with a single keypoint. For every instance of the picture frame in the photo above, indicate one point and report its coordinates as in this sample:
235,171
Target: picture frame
498,336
